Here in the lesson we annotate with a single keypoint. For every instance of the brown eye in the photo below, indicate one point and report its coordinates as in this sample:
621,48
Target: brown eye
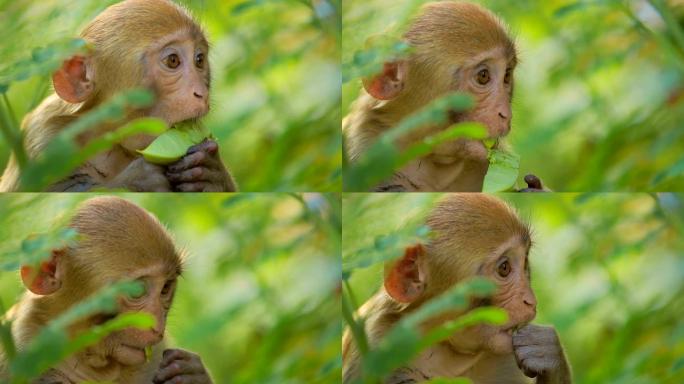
504,269
199,60
483,76
507,76
172,61
167,287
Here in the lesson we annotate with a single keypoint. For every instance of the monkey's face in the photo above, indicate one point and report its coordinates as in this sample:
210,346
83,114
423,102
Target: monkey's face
488,77
178,70
127,347
509,269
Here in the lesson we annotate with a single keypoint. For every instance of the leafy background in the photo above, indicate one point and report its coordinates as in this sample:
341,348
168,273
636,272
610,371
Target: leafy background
259,299
607,270
275,91
598,103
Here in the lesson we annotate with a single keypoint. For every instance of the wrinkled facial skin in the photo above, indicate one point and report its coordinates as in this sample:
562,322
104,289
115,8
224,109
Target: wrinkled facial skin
488,77
178,69
127,347
508,268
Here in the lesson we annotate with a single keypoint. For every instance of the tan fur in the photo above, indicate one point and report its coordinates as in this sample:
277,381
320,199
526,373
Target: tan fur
116,237
461,224
117,40
443,37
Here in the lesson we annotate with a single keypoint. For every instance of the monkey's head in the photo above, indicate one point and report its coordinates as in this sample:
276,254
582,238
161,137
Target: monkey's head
456,46
474,235
117,240
142,43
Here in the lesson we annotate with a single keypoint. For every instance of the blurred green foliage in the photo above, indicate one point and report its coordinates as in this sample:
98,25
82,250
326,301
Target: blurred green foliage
275,91
259,298
598,102
607,270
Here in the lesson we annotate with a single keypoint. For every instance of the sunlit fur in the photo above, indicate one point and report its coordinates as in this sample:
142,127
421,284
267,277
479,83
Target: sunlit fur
468,230
445,38
117,40
116,240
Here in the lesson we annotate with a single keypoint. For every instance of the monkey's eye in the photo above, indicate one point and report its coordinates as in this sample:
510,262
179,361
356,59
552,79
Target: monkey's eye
483,76
167,287
504,269
507,76
199,60
172,61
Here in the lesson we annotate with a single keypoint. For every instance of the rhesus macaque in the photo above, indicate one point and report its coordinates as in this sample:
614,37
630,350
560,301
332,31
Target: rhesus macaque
456,46
474,235
117,241
136,43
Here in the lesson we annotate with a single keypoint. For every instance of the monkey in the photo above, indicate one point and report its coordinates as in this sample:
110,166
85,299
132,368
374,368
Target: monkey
117,240
455,46
154,44
473,235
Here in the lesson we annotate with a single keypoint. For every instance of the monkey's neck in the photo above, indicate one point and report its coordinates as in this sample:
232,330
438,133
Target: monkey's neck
441,360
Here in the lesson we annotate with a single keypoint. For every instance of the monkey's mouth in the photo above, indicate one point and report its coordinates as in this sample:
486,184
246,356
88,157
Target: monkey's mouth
512,329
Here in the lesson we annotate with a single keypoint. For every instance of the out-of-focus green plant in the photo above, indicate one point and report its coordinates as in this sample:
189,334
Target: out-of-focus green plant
405,340
259,299
275,89
606,269
597,106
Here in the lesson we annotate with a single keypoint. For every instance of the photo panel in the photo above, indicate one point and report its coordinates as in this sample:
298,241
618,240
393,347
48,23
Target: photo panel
139,288
582,288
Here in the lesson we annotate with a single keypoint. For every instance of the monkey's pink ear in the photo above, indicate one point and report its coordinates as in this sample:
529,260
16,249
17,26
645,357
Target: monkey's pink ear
405,279
388,84
72,81
44,278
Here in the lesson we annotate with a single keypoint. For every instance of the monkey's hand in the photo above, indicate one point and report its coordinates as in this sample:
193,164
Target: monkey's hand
201,170
539,354
534,184
141,176
181,367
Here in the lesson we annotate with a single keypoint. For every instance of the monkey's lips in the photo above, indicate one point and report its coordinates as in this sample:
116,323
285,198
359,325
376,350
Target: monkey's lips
512,329
130,354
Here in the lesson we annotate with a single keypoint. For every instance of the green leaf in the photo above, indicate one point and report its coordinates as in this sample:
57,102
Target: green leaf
405,341
382,159
38,247
502,172
43,61
63,155
52,344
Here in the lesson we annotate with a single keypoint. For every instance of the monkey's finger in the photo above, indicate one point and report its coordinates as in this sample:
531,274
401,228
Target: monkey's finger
193,175
189,161
207,145
193,187
178,368
172,354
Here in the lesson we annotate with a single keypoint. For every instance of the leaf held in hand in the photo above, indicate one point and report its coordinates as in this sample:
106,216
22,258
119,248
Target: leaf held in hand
502,172
171,145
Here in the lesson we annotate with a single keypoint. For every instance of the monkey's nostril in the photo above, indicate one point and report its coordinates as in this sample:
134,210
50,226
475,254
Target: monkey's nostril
197,95
501,115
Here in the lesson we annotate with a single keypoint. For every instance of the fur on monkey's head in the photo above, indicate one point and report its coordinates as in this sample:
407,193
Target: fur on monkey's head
457,29
111,229
119,36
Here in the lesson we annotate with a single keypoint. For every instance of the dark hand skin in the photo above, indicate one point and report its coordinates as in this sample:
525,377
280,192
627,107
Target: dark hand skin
200,170
534,184
138,176
539,354
181,367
